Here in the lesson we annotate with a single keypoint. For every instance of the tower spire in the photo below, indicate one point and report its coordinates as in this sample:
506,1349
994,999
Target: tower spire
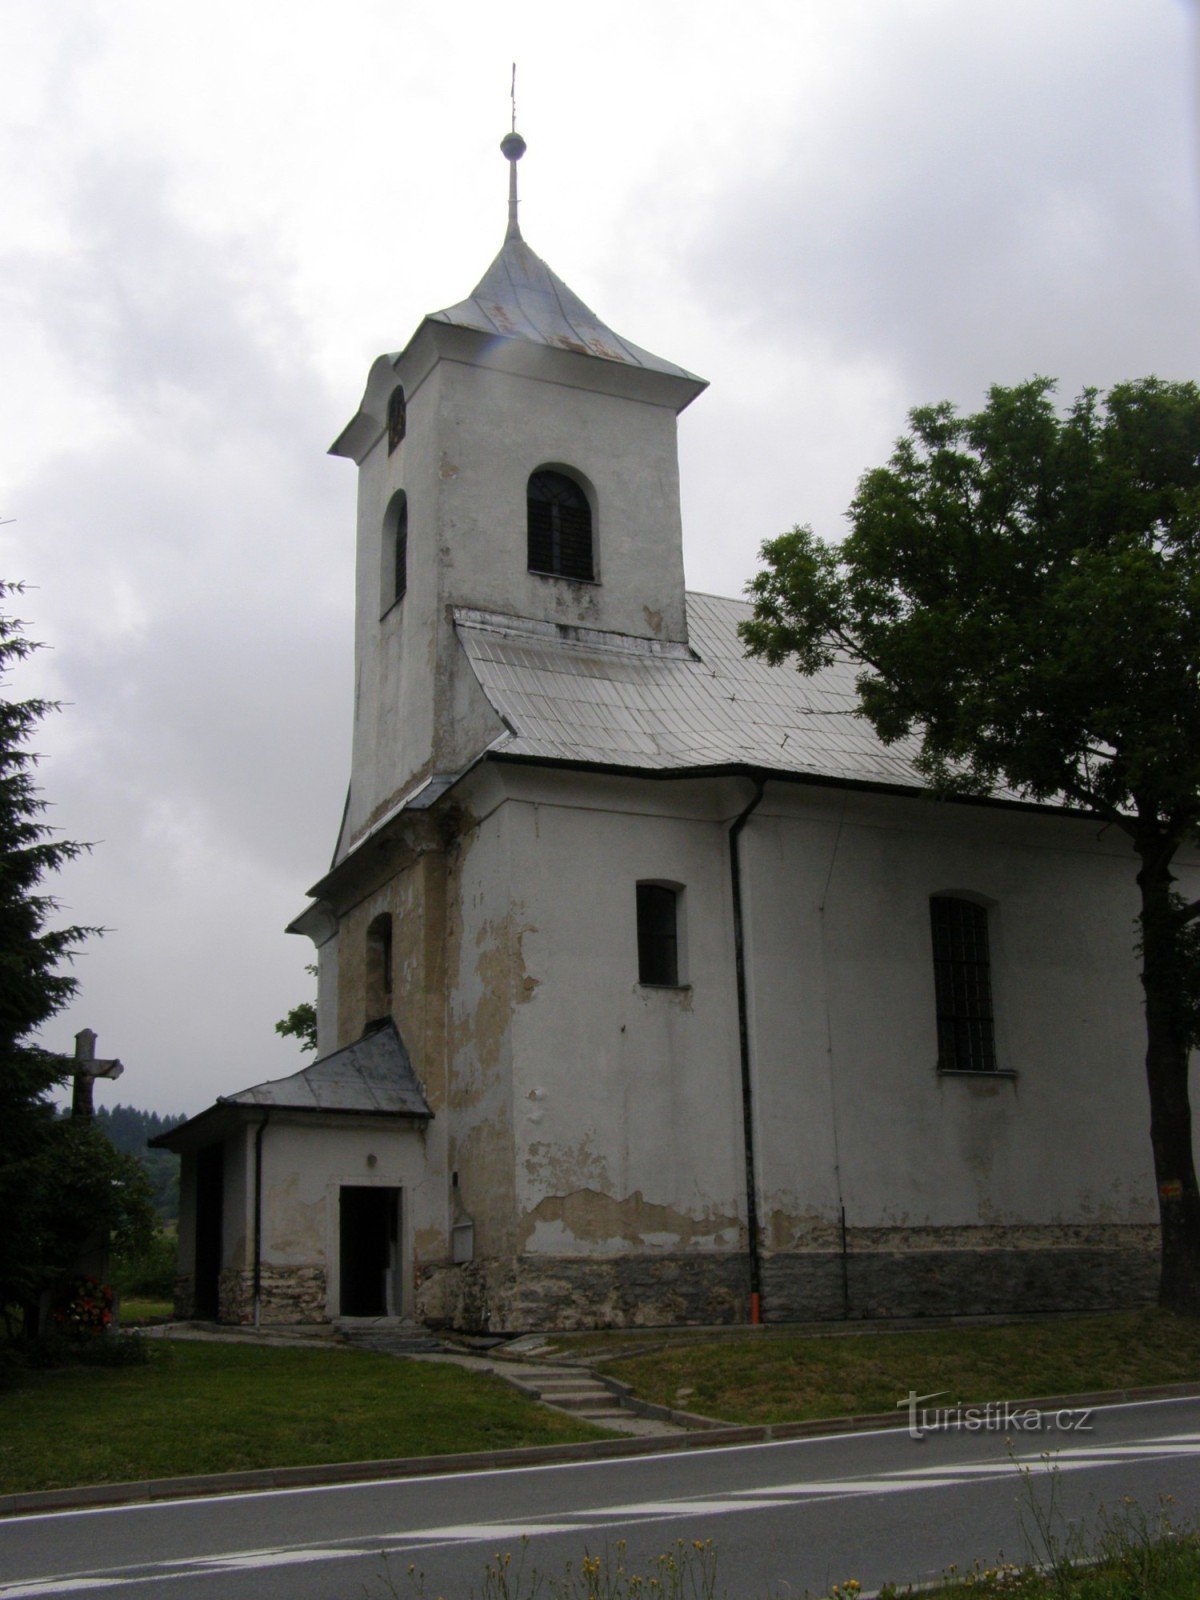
513,148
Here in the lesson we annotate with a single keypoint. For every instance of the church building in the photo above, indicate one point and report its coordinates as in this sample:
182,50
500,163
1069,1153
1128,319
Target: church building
652,986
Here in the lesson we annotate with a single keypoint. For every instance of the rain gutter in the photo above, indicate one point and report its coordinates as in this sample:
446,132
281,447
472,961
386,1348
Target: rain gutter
258,1144
739,947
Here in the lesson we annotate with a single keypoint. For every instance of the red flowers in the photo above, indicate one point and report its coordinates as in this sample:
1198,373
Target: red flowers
86,1307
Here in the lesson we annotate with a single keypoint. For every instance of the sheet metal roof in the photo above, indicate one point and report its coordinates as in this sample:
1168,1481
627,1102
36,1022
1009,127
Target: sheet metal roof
519,297
373,1074
570,695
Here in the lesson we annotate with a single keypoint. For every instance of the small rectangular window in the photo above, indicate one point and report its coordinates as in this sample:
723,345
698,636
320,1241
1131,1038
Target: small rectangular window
658,934
962,985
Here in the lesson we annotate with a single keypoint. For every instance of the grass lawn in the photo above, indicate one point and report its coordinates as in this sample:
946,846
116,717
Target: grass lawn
200,1407
769,1377
136,1308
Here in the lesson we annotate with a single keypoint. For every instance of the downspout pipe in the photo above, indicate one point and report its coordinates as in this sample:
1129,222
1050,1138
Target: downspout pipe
739,948
258,1144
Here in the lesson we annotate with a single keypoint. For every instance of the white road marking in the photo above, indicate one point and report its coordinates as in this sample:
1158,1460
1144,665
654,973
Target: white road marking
766,1498
183,1501
479,1532
25,1591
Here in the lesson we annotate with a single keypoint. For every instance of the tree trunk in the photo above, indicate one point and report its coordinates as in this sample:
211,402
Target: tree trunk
1168,1049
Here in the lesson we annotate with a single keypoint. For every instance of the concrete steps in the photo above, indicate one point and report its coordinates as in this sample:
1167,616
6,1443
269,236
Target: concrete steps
580,1392
393,1336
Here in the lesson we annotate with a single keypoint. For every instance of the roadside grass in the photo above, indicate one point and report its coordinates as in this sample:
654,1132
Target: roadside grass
200,1407
779,1378
1167,1570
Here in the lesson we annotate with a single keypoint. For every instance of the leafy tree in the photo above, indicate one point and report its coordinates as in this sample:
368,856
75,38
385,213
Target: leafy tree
60,1182
301,1021
85,1190
1022,590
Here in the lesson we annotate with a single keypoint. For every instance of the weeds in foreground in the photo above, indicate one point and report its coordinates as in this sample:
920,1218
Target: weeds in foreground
1129,1554
687,1571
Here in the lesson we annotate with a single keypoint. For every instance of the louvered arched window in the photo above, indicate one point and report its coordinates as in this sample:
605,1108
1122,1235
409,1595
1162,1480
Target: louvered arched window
394,576
560,527
397,418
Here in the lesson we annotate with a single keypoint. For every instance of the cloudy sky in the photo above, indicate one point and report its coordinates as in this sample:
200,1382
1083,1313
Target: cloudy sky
216,216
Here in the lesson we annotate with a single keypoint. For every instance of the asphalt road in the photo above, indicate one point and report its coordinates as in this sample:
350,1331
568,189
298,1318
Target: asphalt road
787,1518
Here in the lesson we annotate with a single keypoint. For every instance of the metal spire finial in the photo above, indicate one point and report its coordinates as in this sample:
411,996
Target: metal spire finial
513,148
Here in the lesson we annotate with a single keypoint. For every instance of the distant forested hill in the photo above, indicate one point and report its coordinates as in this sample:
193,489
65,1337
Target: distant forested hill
129,1129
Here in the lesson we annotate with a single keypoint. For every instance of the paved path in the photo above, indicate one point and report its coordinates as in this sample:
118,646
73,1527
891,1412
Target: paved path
787,1518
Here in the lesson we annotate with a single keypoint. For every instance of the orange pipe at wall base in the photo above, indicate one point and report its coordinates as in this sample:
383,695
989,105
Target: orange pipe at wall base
756,1310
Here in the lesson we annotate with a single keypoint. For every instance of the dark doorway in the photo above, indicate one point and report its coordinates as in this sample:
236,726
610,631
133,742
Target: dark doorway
210,1202
370,1229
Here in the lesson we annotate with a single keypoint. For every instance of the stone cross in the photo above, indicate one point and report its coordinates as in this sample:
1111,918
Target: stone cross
86,1069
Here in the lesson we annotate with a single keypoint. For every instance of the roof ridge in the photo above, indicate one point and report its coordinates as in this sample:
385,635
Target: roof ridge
571,636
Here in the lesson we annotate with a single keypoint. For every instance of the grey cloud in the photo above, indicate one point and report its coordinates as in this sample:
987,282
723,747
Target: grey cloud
1009,191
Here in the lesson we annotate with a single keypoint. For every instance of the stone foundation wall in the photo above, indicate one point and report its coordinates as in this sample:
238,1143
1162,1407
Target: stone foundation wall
925,1283
185,1299
513,1295
235,1297
509,1296
295,1294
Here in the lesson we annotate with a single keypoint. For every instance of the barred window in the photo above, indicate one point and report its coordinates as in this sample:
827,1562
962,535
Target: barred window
963,985
560,527
397,418
658,934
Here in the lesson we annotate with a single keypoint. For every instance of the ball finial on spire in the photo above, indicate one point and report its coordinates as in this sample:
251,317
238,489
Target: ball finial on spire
513,147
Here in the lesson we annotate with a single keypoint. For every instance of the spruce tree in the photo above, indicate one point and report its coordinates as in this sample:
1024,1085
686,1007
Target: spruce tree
33,984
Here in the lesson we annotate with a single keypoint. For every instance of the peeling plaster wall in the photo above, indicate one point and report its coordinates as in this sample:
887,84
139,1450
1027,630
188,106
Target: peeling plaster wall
626,1097
485,973
305,1163
327,997
237,1221
990,1193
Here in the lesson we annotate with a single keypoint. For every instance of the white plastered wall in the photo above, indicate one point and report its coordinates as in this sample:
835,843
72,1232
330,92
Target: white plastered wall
476,431
626,1099
306,1161
626,1102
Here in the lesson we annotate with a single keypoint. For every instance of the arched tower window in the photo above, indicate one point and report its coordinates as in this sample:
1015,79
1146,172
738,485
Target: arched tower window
560,527
962,976
394,576
379,967
397,418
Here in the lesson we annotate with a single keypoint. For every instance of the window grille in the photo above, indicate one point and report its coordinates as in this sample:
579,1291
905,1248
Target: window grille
560,527
397,419
658,934
963,985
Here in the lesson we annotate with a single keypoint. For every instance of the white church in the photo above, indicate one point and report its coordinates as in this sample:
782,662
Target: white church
652,987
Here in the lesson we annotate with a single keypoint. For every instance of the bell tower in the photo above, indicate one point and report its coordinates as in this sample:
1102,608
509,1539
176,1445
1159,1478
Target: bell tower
517,458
